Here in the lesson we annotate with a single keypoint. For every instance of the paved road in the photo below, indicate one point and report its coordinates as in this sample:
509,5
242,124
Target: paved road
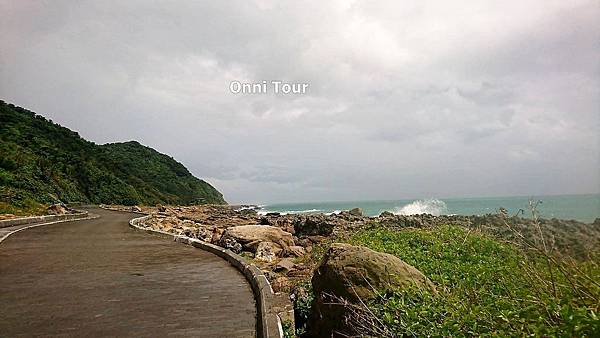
101,278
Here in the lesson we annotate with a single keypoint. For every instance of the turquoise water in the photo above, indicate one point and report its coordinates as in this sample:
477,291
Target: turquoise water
579,207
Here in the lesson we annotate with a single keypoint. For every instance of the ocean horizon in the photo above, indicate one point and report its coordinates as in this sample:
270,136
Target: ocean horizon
583,207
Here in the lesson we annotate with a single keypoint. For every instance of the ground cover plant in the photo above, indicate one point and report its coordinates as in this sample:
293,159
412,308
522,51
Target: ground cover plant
486,287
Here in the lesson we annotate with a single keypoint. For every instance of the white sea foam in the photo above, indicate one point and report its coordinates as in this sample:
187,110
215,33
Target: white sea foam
302,211
285,212
429,206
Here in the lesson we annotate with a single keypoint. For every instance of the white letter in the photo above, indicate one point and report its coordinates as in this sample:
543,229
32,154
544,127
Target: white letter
246,88
276,86
235,84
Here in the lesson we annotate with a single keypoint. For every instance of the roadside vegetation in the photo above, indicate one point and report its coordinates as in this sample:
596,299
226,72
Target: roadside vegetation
486,288
24,208
486,285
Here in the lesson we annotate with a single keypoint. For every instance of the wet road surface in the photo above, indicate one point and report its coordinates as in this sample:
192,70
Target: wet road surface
101,278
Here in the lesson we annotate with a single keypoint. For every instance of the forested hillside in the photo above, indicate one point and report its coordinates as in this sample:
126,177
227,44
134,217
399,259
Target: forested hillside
43,162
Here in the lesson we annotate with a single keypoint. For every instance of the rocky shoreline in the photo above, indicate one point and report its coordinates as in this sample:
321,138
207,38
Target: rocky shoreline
274,240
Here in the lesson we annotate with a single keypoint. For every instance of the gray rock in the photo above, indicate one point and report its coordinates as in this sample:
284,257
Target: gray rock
356,212
285,265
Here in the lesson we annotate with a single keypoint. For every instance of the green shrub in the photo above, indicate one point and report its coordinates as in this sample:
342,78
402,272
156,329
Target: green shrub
303,302
486,288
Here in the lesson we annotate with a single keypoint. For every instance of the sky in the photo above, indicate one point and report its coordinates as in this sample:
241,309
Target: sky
405,99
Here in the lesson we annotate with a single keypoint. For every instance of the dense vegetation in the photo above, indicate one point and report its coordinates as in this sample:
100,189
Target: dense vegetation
488,283
43,162
486,287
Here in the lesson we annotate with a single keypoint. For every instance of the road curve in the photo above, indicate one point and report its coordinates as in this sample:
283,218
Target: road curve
100,278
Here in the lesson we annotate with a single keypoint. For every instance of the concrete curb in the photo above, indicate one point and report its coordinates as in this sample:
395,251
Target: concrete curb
268,322
84,215
36,219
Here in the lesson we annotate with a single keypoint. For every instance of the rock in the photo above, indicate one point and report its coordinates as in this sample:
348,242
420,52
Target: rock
248,212
264,221
188,232
196,232
250,236
231,244
386,214
281,284
285,265
316,239
216,235
57,209
314,225
297,251
356,212
135,208
236,247
304,242
266,252
352,273
203,233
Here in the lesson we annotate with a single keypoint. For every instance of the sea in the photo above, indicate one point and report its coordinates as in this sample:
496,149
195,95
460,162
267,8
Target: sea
584,208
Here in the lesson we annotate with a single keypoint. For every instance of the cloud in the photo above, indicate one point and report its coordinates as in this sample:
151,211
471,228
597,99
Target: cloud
406,99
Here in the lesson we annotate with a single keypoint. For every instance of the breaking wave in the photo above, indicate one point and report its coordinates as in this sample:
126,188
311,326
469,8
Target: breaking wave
286,212
429,206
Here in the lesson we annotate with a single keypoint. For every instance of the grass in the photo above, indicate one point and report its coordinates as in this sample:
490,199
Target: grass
26,208
486,287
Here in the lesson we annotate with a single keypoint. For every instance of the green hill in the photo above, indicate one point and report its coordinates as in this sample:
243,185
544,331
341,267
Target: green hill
43,162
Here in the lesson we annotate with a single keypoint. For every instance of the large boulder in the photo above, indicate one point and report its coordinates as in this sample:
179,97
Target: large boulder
314,225
57,209
386,214
354,274
250,236
356,212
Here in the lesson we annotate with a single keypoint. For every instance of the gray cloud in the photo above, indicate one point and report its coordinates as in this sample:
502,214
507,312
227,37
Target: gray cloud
406,99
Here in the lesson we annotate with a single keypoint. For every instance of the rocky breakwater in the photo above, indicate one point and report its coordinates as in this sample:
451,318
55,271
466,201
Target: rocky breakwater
210,222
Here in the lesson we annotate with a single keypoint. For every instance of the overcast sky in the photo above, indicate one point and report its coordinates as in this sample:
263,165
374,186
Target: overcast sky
406,99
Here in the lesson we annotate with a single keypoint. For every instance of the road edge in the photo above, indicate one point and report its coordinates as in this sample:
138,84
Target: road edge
83,215
11,222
